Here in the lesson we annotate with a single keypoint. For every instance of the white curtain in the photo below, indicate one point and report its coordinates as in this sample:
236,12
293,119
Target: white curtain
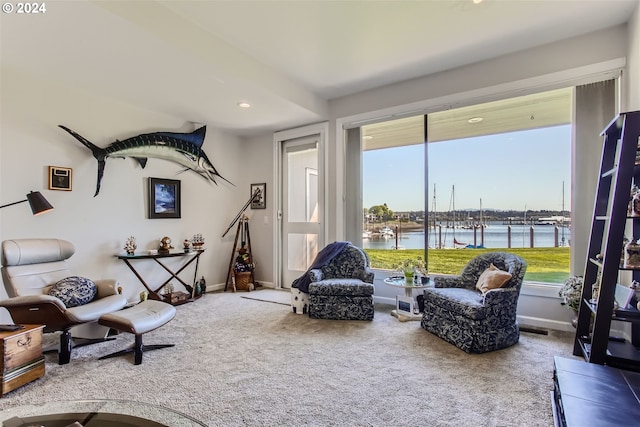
594,108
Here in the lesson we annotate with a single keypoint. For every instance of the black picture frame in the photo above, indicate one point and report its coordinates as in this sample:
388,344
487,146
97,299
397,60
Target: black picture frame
164,198
259,202
60,178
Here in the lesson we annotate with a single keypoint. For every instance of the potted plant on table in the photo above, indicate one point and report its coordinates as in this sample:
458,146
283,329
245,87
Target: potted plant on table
411,267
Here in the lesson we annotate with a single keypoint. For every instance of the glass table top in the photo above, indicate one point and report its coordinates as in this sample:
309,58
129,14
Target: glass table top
95,413
399,282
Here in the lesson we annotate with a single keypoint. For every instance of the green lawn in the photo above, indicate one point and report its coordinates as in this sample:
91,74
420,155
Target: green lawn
543,264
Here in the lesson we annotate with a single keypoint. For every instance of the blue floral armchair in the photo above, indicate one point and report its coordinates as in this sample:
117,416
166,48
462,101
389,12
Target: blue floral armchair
343,288
458,313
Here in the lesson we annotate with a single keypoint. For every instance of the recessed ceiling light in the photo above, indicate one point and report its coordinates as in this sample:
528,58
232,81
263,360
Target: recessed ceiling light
244,104
475,120
477,1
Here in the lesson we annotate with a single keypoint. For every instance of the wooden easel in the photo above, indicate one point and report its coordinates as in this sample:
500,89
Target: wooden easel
245,240
243,231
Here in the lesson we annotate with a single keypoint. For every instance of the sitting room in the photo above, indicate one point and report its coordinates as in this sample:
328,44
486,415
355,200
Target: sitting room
172,172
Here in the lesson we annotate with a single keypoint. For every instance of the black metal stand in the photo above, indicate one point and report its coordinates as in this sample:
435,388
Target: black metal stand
243,230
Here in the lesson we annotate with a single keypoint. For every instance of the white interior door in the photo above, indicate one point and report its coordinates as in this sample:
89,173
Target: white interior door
301,210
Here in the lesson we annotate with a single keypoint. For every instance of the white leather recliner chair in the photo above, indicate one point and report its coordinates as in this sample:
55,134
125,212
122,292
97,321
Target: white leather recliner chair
30,268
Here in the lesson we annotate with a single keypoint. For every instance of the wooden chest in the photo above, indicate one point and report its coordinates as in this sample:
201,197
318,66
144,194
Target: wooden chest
176,298
22,360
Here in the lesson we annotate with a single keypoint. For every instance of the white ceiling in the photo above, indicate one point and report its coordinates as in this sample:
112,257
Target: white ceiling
197,59
543,109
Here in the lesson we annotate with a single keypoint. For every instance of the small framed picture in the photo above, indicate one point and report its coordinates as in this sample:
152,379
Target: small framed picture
59,178
260,200
404,305
164,198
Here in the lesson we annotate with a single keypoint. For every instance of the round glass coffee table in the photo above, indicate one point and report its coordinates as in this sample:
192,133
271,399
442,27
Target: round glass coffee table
405,305
95,413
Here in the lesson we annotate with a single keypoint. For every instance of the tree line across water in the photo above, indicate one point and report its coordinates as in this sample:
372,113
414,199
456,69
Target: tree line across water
383,213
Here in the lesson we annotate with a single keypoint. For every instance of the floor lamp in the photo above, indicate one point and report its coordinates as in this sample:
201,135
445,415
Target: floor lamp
38,203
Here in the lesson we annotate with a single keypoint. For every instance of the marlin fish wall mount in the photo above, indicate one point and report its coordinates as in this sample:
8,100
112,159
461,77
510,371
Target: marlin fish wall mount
182,148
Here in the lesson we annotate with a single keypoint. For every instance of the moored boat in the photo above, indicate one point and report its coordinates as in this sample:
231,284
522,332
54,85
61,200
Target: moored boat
386,232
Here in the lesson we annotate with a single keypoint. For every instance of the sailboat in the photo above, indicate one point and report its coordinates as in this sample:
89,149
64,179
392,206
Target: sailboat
482,224
434,223
459,245
475,227
456,243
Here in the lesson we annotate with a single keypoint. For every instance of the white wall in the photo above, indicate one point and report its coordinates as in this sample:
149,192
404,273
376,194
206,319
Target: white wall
31,141
256,166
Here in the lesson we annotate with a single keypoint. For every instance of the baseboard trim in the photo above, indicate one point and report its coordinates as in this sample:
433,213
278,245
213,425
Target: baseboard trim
537,289
220,286
545,323
384,300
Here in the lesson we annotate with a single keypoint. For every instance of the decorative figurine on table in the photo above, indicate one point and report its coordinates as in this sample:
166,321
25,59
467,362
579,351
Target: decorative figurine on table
197,241
187,245
165,245
168,289
130,245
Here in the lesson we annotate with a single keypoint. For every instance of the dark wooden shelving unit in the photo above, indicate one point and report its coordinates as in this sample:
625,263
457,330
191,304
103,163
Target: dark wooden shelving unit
618,172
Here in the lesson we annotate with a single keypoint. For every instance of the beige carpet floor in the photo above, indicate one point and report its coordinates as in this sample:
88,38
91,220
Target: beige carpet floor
244,359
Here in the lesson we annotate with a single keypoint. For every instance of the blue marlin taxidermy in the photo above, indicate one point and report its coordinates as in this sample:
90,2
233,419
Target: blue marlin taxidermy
182,148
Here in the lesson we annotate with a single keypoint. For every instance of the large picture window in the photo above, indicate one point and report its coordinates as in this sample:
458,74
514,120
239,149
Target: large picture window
495,176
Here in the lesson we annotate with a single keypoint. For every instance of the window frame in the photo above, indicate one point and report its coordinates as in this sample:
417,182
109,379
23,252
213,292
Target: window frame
348,126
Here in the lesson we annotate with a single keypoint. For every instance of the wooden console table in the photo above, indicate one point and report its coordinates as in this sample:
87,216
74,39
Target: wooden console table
153,293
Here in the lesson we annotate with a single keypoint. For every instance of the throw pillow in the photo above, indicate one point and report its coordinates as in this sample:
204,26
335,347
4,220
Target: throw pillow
74,291
492,278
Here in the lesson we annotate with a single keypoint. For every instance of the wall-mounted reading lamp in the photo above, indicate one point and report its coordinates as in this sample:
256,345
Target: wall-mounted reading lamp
38,203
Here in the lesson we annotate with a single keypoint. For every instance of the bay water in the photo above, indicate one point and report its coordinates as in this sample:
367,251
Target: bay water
495,236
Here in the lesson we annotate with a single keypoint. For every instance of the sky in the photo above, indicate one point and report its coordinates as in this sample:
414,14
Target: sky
521,171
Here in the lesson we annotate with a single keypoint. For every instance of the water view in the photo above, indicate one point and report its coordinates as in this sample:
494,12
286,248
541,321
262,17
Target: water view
495,236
